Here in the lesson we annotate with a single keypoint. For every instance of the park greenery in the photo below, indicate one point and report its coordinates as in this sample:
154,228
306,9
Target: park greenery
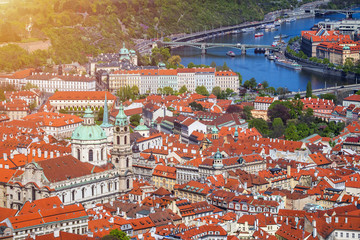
83,28
288,119
116,234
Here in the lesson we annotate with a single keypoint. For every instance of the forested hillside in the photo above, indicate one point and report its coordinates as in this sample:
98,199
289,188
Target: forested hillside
79,28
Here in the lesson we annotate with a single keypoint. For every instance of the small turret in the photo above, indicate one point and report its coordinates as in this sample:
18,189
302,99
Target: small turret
218,160
121,118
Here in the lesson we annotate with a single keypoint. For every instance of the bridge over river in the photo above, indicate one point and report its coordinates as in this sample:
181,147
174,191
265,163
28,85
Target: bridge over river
204,45
335,89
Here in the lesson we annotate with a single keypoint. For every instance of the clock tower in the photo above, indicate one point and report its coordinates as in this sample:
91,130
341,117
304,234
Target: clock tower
121,154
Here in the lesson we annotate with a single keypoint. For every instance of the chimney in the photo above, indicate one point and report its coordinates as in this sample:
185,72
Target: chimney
39,153
11,155
314,233
288,170
33,152
45,154
56,233
57,154
5,156
51,154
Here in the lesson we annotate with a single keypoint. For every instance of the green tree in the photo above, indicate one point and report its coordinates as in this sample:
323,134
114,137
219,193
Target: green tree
135,120
265,84
280,91
213,64
125,93
216,91
261,125
291,133
297,96
229,92
120,235
308,89
278,128
100,114
196,106
29,86
32,105
202,90
63,111
247,112
168,90
174,61
253,83
183,89
329,96
358,92
159,90
225,67
191,65
135,90
325,61
240,78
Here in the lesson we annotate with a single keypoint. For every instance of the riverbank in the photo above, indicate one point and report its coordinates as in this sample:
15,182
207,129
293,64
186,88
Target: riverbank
323,69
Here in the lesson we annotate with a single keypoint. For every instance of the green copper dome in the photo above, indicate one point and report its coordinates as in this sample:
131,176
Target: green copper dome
121,118
88,133
218,155
88,113
141,126
214,130
124,53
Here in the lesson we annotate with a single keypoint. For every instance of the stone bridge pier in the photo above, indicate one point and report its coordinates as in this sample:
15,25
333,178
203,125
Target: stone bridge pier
203,49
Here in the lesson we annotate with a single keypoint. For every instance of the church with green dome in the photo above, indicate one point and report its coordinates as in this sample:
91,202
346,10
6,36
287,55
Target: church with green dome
89,141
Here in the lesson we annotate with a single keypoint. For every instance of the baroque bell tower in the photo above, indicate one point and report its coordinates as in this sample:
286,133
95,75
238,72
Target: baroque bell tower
121,154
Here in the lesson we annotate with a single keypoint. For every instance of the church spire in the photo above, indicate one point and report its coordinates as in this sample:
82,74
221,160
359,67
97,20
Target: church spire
105,115
105,122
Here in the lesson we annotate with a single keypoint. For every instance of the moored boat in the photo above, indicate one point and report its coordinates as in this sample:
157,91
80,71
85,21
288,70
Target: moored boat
259,34
271,57
288,64
231,54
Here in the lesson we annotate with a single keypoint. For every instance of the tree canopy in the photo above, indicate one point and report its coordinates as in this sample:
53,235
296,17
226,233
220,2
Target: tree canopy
202,90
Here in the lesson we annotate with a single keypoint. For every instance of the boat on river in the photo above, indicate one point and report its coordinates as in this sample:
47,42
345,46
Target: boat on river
231,54
289,64
282,36
259,34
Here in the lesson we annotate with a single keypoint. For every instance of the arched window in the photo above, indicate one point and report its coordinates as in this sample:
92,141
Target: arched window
93,190
78,154
118,140
63,198
73,195
127,162
128,183
115,185
91,155
125,139
102,154
83,193
117,160
125,129
109,187
102,189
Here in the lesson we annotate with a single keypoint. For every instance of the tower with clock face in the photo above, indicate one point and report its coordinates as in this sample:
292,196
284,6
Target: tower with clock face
121,154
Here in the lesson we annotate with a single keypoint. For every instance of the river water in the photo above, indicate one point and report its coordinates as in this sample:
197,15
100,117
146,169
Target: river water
259,67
